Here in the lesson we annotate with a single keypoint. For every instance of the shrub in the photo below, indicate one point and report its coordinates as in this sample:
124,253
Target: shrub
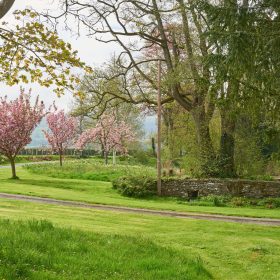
135,186
239,201
269,202
216,200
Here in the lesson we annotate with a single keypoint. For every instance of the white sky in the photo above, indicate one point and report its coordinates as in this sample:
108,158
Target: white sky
89,50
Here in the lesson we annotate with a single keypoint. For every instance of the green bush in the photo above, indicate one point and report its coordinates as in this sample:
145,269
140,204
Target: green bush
217,200
239,201
135,186
269,202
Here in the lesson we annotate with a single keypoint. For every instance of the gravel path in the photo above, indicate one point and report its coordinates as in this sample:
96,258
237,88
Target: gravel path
185,215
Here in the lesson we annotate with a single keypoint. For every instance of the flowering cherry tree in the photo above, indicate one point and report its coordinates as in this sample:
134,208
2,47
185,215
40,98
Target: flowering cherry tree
18,118
109,133
62,131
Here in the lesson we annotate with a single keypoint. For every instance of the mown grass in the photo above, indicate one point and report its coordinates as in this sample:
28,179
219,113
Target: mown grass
38,250
226,250
90,170
102,193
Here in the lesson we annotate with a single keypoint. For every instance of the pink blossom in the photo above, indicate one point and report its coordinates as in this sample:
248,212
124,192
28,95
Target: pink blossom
62,131
18,118
109,133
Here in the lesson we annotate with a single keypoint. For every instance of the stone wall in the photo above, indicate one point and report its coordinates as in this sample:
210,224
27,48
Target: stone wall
188,188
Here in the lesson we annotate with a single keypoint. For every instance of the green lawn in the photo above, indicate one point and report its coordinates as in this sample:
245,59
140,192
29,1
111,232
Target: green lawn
38,250
136,246
102,193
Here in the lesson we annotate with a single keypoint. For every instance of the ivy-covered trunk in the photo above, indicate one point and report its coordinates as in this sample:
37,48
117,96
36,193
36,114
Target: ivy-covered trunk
227,144
206,149
168,136
228,111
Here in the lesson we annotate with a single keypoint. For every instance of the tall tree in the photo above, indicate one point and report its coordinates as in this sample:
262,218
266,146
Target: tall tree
245,75
177,30
18,118
62,131
111,134
207,55
95,102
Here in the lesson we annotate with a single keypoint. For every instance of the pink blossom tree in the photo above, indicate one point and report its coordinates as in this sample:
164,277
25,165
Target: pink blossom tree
109,133
62,131
18,118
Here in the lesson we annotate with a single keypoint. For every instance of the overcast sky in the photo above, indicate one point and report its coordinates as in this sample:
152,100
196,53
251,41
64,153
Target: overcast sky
89,50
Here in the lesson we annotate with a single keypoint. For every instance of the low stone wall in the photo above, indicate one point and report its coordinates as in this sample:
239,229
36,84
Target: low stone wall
191,188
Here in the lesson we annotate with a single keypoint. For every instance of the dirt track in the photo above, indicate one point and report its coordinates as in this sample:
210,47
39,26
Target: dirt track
184,215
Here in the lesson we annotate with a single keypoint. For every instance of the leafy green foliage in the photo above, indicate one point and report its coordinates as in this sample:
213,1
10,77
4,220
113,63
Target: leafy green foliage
31,52
136,186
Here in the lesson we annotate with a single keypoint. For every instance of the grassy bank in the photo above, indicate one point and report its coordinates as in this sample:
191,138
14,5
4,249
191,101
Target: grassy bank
226,250
102,193
91,169
38,250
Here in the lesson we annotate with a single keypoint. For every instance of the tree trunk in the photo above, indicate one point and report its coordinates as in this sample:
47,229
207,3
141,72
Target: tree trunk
106,157
206,149
154,147
114,157
13,165
228,122
60,158
169,125
5,7
227,144
102,151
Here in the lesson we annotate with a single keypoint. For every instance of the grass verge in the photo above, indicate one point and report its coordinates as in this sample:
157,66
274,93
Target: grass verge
102,193
38,250
226,250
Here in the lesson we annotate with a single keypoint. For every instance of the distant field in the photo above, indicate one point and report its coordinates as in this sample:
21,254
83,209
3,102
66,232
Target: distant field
27,159
90,169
